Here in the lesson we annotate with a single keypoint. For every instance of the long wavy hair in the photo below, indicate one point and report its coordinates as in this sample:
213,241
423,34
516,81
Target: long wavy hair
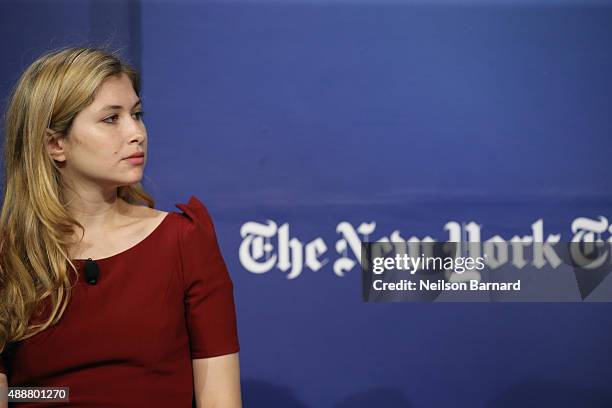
36,230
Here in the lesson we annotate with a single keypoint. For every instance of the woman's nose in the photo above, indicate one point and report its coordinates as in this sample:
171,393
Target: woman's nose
139,136
137,131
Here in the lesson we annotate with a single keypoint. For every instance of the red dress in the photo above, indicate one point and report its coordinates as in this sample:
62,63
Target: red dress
128,341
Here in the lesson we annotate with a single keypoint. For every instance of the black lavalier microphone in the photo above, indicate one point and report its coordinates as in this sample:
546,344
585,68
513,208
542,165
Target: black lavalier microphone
91,271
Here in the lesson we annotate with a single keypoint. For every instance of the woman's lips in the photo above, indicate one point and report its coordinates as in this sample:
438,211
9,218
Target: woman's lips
135,160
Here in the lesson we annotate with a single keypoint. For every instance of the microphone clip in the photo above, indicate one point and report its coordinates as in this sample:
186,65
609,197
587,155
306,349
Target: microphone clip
92,271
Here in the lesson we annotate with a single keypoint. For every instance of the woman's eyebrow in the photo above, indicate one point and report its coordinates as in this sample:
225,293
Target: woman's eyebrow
109,107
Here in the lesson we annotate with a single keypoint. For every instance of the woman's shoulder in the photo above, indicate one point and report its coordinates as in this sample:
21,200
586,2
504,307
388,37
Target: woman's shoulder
193,216
201,258
192,220
196,228
194,213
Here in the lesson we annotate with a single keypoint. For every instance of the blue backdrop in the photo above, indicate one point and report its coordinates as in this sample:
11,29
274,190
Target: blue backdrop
324,116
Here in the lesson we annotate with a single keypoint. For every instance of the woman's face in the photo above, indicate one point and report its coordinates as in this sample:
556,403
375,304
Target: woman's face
103,135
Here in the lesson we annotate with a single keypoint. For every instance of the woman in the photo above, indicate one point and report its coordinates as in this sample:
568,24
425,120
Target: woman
135,306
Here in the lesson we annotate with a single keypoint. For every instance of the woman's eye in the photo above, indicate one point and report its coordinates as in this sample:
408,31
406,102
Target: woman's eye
111,119
114,118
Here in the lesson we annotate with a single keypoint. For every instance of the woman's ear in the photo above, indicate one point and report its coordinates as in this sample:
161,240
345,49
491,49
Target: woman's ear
55,145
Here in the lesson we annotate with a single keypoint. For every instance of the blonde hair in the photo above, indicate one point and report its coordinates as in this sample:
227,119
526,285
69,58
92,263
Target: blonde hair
36,229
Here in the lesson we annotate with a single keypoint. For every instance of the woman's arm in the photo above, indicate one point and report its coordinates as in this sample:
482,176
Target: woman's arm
216,382
3,390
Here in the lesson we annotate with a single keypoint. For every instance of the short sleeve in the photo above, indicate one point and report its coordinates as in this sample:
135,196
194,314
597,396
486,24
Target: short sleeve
209,300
